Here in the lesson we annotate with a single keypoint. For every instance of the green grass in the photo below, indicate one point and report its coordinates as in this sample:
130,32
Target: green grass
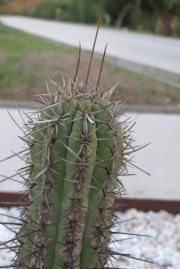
16,41
26,60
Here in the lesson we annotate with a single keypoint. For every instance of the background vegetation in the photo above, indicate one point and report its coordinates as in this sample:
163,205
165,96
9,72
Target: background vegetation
161,17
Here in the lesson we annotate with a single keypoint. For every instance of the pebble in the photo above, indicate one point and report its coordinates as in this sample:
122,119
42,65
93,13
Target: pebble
162,245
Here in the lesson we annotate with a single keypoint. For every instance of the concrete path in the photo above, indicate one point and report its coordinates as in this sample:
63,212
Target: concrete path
160,158
152,55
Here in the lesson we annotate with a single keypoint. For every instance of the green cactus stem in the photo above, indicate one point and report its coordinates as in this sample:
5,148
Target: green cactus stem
76,151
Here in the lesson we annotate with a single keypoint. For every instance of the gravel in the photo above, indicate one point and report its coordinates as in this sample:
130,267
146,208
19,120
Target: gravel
162,245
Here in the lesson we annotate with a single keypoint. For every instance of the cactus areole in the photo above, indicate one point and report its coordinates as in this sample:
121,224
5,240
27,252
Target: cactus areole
77,149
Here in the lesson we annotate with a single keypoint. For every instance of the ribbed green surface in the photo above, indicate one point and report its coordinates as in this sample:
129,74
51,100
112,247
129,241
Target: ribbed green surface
76,153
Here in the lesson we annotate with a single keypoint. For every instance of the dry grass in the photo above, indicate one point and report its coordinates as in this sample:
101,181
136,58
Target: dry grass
26,73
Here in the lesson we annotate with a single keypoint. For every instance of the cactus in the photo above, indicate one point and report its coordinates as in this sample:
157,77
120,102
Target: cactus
76,152
77,149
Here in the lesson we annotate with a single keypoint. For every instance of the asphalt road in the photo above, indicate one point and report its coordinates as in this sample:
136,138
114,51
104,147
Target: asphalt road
149,54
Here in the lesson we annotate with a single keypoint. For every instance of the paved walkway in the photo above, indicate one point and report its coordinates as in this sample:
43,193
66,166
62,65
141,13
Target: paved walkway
153,55
160,158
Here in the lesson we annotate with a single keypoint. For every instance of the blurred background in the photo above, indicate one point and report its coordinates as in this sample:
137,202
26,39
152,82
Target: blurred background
25,60
159,17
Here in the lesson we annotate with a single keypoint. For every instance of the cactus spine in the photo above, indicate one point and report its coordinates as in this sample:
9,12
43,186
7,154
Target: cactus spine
77,151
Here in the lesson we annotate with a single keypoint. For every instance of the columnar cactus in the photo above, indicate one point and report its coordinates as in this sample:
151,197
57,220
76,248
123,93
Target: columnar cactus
77,153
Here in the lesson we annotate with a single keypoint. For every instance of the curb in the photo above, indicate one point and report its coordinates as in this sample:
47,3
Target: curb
150,71
9,200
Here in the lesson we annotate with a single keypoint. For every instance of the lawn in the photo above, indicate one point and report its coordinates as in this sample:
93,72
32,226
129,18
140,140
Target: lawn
27,60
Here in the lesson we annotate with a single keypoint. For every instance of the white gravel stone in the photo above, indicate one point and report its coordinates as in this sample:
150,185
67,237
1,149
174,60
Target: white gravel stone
162,246
7,234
